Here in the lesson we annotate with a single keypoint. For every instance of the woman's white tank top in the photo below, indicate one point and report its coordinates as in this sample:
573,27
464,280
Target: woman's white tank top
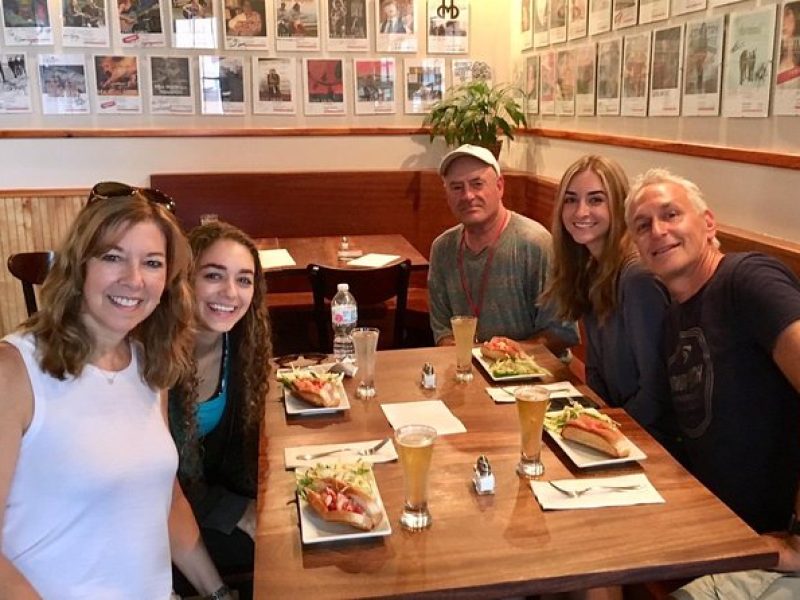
87,512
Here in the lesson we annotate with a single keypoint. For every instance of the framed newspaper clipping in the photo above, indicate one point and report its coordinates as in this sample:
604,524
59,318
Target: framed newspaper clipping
326,94
222,85
274,86
374,82
424,84
171,85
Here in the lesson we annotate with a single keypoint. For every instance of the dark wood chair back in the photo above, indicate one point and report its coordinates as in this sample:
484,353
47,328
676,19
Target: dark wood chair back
370,287
30,268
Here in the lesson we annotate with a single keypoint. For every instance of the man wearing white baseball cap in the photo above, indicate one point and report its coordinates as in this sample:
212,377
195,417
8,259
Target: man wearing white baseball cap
494,264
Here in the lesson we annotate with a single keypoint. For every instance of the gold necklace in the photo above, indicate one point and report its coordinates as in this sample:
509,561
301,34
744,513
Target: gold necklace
109,376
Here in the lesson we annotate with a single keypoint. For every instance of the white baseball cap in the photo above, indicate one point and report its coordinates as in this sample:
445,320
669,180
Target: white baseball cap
482,154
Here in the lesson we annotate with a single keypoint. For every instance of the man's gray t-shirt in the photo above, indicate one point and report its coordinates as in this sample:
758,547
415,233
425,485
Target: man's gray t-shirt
517,276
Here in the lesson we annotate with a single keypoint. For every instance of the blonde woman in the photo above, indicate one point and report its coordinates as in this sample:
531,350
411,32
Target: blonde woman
596,276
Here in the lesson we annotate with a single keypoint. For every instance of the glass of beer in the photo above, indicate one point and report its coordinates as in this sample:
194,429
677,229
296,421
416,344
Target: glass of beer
532,402
464,333
415,449
365,342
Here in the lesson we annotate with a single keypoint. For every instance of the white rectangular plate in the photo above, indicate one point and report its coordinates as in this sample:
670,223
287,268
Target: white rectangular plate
314,529
295,406
476,352
585,457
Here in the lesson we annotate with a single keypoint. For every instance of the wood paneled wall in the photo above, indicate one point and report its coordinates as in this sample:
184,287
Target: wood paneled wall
30,220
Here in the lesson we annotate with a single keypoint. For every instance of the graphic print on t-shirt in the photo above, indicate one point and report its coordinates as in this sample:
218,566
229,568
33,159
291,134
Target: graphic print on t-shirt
691,379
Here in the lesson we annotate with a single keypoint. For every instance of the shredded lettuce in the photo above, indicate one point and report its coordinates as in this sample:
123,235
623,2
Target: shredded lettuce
357,474
289,377
555,421
523,365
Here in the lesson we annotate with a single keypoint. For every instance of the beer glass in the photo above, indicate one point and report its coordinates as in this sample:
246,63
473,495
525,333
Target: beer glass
464,333
365,342
415,450
532,402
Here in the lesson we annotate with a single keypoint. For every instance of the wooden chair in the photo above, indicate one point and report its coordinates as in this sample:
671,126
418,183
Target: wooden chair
370,287
30,268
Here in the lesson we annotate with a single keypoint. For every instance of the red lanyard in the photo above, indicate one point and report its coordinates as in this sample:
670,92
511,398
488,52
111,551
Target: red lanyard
476,308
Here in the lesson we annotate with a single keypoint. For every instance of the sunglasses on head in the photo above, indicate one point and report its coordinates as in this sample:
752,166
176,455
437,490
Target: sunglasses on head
106,190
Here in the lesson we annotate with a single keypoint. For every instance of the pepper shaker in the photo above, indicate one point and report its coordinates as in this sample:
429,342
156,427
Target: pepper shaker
484,478
428,377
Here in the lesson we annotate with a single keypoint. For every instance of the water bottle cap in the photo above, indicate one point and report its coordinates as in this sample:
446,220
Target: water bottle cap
343,287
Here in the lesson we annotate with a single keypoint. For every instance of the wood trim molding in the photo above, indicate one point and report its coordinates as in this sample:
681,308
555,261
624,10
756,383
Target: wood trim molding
195,132
742,155
46,193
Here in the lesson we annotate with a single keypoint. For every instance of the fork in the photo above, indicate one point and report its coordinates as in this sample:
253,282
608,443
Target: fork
510,390
580,492
361,452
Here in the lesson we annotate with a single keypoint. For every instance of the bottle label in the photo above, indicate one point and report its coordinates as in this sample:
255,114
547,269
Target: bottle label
344,314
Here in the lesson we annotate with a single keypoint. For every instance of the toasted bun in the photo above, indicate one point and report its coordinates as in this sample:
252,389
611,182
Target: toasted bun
596,434
326,397
500,347
366,520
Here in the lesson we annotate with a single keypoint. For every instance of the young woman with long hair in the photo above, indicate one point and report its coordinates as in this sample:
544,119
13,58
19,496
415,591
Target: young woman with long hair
217,410
596,276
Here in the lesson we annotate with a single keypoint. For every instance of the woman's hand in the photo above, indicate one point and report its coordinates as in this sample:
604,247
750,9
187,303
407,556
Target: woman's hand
248,521
788,549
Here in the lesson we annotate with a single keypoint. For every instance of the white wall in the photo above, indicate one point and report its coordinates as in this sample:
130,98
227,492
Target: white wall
761,199
81,162
758,198
489,43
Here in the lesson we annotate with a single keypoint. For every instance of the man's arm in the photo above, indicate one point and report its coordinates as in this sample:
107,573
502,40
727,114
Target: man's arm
438,302
785,353
555,342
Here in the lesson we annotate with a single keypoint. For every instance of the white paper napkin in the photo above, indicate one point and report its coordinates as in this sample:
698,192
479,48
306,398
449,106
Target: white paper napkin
373,259
551,499
385,454
279,257
425,412
561,389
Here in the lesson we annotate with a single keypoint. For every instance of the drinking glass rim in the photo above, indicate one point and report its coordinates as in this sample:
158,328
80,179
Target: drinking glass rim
531,388
417,426
365,330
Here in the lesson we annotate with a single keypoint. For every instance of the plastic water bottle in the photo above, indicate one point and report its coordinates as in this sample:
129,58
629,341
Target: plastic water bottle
344,315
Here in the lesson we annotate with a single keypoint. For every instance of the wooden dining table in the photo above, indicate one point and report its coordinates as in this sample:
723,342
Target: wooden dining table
322,250
484,546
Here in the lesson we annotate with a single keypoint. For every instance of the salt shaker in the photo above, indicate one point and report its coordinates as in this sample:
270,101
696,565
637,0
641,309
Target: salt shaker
344,248
428,377
484,478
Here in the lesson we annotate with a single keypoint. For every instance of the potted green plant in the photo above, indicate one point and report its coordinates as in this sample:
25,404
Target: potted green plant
477,113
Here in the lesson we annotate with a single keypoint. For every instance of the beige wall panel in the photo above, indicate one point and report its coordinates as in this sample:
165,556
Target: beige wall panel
30,223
